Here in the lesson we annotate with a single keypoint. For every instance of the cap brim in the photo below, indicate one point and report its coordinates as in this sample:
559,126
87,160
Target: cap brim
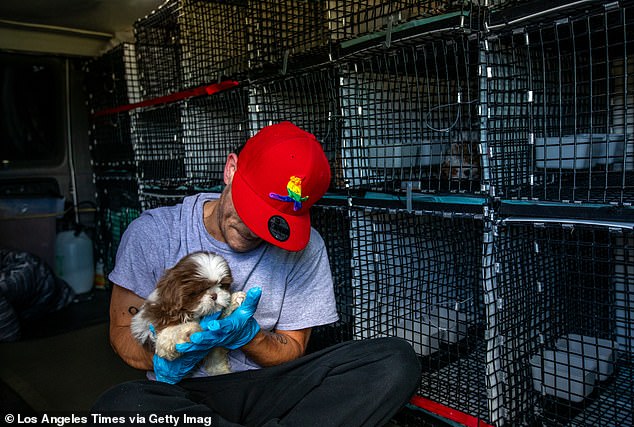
290,232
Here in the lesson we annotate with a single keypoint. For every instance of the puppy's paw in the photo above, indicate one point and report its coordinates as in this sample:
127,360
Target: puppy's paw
167,339
237,298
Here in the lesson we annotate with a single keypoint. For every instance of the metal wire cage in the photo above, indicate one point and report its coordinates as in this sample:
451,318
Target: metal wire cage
111,79
181,148
189,43
111,147
279,30
418,276
564,322
213,40
151,197
296,31
410,117
350,19
159,52
309,100
118,205
560,107
333,224
158,145
213,127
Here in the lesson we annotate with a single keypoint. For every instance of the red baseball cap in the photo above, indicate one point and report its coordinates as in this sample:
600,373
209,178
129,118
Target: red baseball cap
282,171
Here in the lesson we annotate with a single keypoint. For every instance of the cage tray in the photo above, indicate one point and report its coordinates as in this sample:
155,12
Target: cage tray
563,374
600,350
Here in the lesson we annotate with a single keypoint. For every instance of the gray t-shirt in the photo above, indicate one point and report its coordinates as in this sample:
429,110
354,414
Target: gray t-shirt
297,288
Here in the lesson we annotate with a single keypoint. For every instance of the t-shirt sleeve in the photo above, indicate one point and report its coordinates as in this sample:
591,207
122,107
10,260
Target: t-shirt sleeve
138,264
309,299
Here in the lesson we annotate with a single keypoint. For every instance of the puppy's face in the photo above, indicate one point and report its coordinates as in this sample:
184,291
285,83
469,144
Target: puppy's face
462,162
199,284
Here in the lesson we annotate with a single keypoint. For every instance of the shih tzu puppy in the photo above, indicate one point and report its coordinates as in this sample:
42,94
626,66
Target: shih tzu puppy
198,285
462,161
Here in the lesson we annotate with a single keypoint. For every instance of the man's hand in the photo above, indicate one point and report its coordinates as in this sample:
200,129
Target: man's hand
172,371
232,332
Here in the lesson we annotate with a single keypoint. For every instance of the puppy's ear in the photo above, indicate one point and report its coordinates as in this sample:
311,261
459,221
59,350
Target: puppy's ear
226,280
168,306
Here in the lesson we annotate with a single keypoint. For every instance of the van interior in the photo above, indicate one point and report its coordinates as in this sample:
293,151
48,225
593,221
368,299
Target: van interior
480,206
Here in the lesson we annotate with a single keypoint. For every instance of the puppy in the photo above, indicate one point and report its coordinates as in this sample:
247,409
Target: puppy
198,285
462,161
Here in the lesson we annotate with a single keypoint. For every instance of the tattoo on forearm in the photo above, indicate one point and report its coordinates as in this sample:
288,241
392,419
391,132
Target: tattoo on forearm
280,338
133,310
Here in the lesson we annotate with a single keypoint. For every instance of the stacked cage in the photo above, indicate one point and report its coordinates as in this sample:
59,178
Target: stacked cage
290,34
566,318
410,117
419,275
185,44
560,107
181,147
559,149
437,129
331,218
111,81
309,99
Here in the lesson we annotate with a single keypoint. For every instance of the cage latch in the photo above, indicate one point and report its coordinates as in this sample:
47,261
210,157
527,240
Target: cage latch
285,62
409,187
388,34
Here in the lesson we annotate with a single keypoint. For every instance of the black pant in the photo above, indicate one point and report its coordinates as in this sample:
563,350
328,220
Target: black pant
355,383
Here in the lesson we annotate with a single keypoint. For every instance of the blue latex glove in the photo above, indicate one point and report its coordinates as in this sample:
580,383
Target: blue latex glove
172,371
232,332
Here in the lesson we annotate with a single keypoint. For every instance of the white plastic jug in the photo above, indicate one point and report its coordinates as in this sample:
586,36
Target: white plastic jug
74,260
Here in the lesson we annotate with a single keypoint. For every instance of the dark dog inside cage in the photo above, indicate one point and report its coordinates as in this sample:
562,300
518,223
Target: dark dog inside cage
462,161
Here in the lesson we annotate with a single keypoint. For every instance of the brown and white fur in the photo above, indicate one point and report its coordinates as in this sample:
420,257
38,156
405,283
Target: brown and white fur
462,161
199,284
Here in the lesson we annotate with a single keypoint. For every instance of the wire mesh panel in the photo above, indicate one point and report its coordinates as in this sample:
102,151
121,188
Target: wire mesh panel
213,40
158,51
410,117
190,43
213,126
296,31
158,145
309,100
118,205
350,19
560,108
152,197
418,276
279,30
111,79
111,148
333,224
565,322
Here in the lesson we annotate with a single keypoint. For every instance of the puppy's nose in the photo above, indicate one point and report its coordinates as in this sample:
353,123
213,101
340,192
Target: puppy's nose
214,296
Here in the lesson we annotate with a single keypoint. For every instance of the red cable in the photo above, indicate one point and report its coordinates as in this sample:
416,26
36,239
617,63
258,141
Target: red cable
202,90
448,413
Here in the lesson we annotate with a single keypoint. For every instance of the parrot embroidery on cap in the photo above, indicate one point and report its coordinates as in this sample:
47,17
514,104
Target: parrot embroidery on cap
294,188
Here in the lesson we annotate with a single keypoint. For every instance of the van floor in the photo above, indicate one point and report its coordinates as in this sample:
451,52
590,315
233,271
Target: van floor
64,362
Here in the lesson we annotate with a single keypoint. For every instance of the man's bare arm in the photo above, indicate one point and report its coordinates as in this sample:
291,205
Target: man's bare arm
123,305
274,348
